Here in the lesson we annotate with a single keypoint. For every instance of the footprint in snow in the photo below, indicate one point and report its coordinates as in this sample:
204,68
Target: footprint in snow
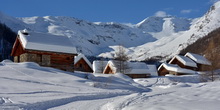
5,100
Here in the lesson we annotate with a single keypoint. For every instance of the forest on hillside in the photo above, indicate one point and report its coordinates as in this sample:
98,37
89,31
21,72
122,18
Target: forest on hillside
209,46
7,39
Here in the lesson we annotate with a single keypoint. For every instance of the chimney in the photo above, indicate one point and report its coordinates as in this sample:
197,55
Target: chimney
25,32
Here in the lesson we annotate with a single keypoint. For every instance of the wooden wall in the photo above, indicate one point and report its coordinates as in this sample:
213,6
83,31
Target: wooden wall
81,65
138,75
162,71
63,62
108,70
57,60
175,61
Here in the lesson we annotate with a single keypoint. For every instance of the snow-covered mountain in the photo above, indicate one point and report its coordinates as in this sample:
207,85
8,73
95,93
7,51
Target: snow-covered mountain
167,25
154,36
172,37
12,22
89,38
94,38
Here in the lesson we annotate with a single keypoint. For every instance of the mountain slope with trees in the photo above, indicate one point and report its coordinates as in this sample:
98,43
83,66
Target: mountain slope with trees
209,46
7,39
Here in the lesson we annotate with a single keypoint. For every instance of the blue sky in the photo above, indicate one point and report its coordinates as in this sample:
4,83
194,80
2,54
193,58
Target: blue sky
123,11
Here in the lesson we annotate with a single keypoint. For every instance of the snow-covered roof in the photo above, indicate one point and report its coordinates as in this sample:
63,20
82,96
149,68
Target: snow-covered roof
198,58
176,68
135,68
82,56
142,68
98,65
45,42
184,60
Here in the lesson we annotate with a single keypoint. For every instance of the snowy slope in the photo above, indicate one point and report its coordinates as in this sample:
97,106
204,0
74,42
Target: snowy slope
163,26
171,96
96,38
170,42
11,22
89,38
27,86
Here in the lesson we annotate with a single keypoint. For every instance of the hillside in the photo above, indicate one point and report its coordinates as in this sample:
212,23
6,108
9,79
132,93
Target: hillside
169,45
7,39
207,46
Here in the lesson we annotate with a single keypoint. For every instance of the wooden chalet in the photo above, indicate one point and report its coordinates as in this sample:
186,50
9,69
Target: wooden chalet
183,62
133,69
165,69
199,60
183,65
44,49
81,63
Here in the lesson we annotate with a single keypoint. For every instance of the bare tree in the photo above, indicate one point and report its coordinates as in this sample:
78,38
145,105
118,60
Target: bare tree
212,57
101,65
122,58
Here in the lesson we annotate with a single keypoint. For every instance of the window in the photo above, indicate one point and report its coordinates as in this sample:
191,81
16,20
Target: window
18,59
43,59
80,67
68,58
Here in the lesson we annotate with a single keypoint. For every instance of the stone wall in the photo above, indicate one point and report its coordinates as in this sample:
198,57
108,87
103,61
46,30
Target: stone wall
16,59
43,60
28,57
81,65
24,57
60,61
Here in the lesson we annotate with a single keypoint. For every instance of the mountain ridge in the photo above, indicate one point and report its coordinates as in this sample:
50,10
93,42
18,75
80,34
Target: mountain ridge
166,47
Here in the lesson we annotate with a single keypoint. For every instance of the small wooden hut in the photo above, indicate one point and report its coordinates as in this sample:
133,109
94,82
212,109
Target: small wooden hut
81,63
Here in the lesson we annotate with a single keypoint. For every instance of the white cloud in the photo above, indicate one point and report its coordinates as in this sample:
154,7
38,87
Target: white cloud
186,11
129,24
160,14
213,1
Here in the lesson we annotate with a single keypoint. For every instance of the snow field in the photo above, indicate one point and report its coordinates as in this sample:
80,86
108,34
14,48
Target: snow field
30,86
27,86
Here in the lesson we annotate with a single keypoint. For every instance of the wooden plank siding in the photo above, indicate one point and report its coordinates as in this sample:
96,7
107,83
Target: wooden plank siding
180,64
162,71
17,48
108,70
138,75
81,65
202,67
